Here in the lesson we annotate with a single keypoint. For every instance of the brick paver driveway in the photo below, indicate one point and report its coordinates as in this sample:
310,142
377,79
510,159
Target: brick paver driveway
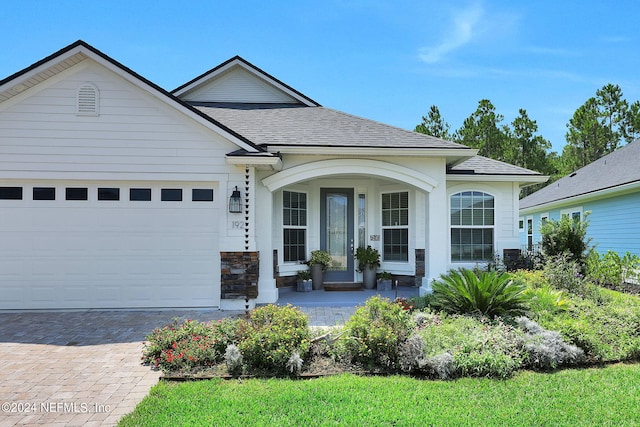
77,368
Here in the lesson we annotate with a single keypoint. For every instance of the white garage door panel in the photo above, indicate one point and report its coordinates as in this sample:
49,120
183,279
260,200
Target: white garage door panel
110,254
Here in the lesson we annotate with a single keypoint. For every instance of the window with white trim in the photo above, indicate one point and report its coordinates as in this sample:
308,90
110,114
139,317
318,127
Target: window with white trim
574,213
472,226
395,226
294,222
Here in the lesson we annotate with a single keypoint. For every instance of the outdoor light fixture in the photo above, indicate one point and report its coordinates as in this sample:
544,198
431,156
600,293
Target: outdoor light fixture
235,201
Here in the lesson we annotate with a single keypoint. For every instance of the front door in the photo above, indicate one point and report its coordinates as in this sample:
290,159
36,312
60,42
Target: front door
336,232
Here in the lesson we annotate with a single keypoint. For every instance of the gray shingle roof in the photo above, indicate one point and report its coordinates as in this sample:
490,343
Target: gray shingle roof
480,165
292,125
613,170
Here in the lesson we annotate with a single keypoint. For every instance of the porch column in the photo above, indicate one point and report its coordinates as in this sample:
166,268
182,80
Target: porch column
268,292
437,237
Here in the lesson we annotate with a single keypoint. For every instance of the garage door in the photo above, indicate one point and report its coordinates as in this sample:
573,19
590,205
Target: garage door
109,245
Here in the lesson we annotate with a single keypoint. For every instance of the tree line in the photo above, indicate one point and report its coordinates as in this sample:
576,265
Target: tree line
598,127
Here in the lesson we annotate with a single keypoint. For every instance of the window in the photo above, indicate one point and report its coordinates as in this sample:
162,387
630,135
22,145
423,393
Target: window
202,195
88,100
472,224
395,226
521,224
294,221
44,193
11,193
75,193
108,194
171,195
362,220
139,194
530,234
574,213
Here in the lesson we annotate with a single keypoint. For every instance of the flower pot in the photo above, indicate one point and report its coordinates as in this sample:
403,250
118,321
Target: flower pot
304,286
317,276
369,277
384,284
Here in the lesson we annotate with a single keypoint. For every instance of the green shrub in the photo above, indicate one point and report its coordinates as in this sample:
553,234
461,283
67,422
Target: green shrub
451,346
270,336
566,236
375,332
610,268
546,300
531,278
562,272
608,330
187,346
486,293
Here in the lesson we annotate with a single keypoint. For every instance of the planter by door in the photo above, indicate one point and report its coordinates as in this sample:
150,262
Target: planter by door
369,277
317,276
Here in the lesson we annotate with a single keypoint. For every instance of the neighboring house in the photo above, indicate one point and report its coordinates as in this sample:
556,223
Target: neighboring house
609,188
115,193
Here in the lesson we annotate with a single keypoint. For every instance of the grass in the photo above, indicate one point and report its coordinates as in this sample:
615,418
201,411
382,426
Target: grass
607,396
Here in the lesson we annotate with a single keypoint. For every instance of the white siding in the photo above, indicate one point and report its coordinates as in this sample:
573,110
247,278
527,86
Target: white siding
239,85
135,133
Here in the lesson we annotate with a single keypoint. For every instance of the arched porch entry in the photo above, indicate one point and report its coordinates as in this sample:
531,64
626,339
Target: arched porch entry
339,204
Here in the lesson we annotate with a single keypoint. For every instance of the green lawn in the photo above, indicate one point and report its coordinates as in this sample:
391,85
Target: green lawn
575,397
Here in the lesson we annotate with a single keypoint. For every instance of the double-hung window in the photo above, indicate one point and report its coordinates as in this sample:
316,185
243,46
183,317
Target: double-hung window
395,226
294,221
472,226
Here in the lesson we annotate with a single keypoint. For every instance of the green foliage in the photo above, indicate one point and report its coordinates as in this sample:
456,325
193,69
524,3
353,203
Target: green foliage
270,336
486,293
532,278
566,235
374,333
320,257
452,346
304,275
385,275
547,300
607,330
367,257
610,268
188,346
433,124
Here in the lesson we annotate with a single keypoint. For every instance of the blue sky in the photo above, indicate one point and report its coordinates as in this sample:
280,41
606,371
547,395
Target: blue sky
383,60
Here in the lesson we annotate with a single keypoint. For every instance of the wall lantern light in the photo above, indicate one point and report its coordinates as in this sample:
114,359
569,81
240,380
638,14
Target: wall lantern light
235,201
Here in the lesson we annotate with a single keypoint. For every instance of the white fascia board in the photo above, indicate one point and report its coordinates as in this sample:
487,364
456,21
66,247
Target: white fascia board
373,151
527,179
274,161
607,192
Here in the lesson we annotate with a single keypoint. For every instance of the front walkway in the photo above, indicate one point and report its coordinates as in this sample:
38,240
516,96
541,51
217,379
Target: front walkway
82,368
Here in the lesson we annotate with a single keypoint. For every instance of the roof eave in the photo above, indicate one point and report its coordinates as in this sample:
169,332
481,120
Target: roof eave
524,180
450,153
580,198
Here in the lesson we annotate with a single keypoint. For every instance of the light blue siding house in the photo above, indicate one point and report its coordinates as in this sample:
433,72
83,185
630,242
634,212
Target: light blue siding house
609,188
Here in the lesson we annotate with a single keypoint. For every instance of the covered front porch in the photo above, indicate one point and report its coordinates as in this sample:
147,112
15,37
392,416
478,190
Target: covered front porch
338,205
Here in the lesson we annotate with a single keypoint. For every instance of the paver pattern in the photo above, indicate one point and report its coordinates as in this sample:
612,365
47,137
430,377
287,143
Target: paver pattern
82,368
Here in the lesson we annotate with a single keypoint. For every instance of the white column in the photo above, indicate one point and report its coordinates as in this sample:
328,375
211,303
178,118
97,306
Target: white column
267,290
437,250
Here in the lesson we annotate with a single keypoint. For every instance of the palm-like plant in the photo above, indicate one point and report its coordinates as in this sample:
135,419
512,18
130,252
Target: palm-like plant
489,293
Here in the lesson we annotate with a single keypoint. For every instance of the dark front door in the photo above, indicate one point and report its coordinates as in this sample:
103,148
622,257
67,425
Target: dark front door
336,232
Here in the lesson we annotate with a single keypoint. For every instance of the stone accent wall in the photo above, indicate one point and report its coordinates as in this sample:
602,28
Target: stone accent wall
239,272
420,266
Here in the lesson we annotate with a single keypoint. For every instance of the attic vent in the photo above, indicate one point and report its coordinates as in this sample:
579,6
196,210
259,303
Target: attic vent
88,102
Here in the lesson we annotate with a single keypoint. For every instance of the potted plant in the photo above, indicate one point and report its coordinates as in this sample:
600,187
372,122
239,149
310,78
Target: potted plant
304,281
368,261
384,281
318,263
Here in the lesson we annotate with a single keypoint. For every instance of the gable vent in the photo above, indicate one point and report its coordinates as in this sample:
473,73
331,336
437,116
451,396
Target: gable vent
88,102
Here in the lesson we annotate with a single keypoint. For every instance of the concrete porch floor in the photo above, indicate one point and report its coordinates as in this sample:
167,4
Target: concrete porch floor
340,298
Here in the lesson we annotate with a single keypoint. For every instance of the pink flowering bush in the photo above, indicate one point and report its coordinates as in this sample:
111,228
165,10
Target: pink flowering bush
188,346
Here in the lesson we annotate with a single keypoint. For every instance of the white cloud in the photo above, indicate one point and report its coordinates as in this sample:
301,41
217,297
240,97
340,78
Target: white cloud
464,27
